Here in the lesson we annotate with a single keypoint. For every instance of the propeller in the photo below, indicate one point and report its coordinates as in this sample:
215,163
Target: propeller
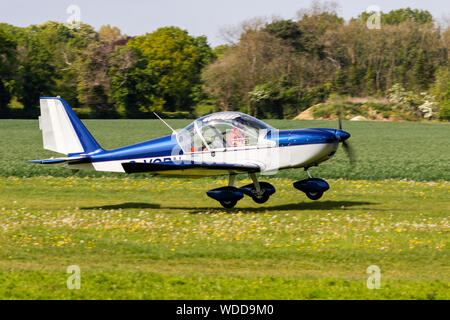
348,149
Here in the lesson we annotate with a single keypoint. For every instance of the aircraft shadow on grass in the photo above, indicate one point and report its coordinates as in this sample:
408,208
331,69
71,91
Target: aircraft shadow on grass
324,205
126,205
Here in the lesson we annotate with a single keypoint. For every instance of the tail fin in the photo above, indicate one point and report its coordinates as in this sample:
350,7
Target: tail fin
62,130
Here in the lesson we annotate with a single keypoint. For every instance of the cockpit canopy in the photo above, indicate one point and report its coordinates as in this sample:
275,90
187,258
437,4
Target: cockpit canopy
222,130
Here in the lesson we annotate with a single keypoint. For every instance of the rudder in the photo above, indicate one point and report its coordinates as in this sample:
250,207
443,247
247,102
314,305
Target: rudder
62,130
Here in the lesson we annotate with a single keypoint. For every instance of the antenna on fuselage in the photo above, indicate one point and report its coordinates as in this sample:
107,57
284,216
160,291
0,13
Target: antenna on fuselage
165,123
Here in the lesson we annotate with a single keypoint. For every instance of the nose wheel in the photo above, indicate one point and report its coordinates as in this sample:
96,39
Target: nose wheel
312,187
314,195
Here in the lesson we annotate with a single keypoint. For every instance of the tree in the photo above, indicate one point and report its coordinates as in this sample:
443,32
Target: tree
423,72
66,47
47,56
314,23
270,68
287,30
258,58
134,87
94,82
402,15
220,80
108,34
341,81
36,71
440,90
220,51
177,59
369,79
266,97
7,67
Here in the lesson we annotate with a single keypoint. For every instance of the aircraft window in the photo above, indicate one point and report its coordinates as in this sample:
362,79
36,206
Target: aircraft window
190,140
213,137
222,130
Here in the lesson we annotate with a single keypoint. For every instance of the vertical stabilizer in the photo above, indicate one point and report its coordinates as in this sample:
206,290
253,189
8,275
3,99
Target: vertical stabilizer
62,130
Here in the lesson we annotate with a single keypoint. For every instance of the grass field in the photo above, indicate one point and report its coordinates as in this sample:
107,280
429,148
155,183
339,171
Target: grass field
153,238
141,238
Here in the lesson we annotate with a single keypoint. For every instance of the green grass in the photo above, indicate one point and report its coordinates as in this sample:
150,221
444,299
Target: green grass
152,238
385,150
165,239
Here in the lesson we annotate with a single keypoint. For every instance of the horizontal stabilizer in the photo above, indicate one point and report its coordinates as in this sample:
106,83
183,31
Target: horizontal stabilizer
72,160
133,167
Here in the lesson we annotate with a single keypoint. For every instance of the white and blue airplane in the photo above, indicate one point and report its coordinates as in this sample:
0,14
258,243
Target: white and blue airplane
223,143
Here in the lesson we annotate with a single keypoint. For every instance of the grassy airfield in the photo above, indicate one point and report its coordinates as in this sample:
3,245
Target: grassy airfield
153,238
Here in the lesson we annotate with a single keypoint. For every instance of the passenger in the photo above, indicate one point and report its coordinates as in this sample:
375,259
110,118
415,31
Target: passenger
236,138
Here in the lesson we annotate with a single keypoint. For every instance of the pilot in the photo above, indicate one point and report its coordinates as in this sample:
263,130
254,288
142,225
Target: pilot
236,137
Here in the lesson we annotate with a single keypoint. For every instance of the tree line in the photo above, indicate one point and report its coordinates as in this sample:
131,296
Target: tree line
269,68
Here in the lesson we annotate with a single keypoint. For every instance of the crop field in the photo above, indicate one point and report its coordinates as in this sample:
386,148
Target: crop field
138,237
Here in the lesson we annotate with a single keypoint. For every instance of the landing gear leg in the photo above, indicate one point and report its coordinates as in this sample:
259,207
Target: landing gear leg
231,180
259,195
255,183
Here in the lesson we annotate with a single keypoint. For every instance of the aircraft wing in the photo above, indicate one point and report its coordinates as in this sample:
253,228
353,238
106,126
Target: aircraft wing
190,169
76,159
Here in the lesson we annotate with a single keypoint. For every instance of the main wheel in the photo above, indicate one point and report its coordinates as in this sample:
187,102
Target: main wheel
228,204
261,199
314,195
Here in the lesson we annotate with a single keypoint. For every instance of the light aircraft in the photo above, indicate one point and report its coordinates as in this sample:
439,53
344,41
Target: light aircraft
223,143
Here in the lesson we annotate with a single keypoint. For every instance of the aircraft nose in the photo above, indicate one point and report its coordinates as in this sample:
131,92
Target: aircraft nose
342,135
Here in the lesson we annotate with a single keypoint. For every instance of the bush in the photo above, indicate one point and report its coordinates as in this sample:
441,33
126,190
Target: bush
347,109
83,113
203,109
421,104
381,107
176,115
106,112
444,112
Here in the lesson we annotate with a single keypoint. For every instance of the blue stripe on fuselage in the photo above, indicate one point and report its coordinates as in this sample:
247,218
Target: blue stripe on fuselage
159,147
287,138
